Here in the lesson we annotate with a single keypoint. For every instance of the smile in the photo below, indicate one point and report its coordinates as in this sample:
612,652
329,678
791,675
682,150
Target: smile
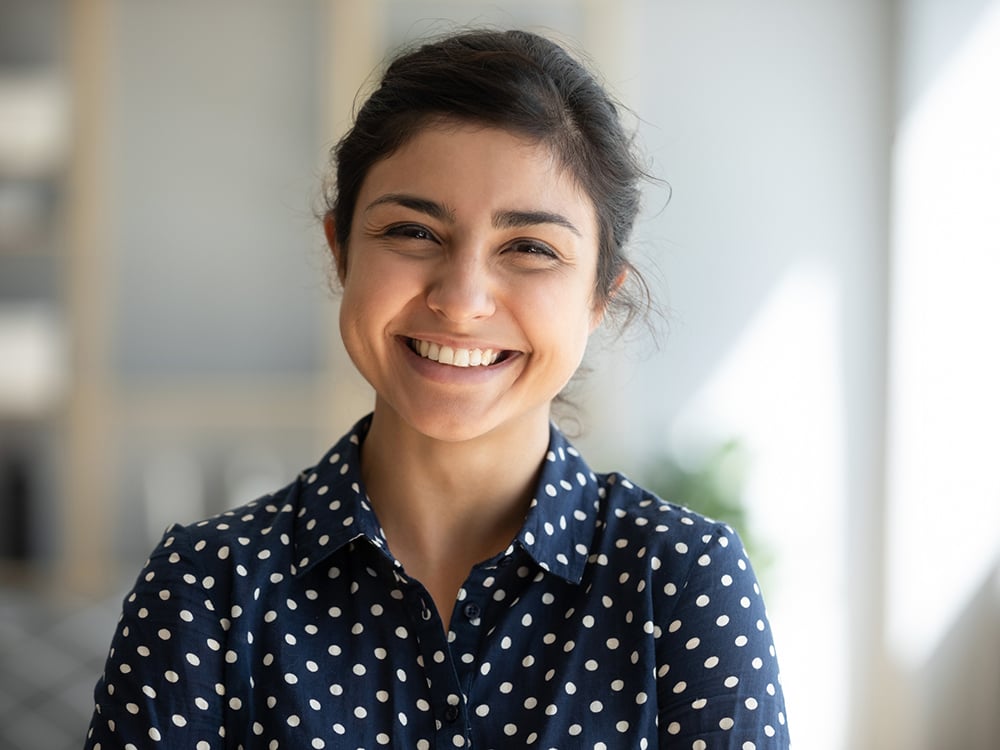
447,355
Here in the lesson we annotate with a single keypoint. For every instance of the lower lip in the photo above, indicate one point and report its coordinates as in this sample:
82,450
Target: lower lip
449,373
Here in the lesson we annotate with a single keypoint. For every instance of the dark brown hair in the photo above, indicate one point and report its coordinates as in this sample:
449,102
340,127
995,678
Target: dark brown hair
526,84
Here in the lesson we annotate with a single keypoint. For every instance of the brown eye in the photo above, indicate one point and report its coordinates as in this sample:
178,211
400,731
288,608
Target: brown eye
533,248
411,231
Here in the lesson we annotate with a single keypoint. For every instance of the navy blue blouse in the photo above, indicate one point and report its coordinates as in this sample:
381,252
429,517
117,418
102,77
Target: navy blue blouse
613,620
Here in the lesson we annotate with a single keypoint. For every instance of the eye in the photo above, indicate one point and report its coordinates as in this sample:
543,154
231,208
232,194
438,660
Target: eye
533,248
411,231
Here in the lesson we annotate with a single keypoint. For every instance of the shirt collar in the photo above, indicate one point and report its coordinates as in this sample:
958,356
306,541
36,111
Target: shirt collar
559,528
333,509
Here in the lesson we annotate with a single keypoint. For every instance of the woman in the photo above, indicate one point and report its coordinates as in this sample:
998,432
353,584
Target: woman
451,573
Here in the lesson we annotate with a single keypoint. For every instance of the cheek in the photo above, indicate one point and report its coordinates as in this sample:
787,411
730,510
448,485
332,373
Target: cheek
563,315
356,301
373,294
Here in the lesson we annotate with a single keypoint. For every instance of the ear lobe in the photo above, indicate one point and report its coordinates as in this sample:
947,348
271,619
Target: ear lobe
339,257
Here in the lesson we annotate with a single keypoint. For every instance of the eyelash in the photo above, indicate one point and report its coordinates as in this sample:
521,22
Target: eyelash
423,234
411,231
533,247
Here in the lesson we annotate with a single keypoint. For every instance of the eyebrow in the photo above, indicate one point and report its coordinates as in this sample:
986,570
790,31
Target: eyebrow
432,208
510,219
514,219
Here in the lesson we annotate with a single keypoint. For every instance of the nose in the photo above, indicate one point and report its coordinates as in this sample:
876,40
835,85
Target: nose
462,290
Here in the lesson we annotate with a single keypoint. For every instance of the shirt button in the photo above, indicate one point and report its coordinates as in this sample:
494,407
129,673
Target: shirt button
472,611
451,714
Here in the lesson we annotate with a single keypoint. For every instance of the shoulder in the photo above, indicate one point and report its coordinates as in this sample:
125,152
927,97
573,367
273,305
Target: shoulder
636,515
607,519
669,545
273,535
250,544
246,526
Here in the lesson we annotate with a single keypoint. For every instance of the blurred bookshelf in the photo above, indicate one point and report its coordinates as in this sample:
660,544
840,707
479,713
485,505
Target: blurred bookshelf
167,334
35,146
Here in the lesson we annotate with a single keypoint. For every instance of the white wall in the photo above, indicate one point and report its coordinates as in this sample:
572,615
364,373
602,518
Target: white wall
216,154
943,545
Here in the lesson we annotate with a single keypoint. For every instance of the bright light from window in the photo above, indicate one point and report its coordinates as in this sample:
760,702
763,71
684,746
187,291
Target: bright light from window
779,390
944,449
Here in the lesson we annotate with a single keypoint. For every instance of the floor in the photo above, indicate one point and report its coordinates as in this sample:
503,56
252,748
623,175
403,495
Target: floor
51,654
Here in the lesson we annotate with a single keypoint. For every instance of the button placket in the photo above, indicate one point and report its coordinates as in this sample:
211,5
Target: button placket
439,666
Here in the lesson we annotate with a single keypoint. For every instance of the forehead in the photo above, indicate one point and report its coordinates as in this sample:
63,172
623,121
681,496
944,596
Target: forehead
473,166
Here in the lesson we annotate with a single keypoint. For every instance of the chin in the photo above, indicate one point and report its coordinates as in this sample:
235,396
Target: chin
457,423
456,428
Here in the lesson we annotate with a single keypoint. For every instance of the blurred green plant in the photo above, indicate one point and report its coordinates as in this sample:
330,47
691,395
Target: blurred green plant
710,484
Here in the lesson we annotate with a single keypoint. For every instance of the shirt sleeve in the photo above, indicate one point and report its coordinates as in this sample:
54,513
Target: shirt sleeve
163,681
719,687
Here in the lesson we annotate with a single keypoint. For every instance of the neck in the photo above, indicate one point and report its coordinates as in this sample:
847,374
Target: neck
445,506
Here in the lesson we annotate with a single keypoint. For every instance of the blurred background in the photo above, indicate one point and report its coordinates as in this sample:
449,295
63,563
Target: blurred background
828,259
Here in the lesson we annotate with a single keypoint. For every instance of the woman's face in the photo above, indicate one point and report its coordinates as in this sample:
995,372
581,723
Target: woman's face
468,293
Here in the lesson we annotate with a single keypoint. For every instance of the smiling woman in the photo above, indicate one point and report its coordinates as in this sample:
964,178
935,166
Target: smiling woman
452,572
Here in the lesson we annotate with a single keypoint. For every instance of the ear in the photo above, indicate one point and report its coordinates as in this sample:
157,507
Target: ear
597,317
339,256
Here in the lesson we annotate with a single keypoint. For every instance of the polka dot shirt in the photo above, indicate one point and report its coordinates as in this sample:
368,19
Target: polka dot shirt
613,620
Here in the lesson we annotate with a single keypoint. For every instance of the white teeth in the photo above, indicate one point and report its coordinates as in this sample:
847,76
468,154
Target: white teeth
447,355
